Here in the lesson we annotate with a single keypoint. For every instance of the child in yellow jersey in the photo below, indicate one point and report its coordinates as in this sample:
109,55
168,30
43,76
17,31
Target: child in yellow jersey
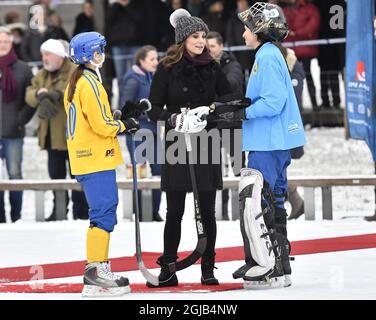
94,153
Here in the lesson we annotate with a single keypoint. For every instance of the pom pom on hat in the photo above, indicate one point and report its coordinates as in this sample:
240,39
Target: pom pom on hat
185,24
178,14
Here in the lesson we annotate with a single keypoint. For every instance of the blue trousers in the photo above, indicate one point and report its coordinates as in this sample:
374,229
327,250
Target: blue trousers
120,62
11,152
101,193
273,166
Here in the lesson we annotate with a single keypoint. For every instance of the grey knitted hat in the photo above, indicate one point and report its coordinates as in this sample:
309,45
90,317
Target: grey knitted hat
185,24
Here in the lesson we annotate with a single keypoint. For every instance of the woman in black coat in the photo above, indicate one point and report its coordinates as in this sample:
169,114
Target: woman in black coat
187,77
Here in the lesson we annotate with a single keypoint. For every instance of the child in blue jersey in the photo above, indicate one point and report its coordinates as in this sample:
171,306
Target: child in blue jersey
272,126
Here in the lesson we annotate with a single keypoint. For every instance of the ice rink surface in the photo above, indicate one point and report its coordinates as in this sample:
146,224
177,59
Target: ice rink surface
332,275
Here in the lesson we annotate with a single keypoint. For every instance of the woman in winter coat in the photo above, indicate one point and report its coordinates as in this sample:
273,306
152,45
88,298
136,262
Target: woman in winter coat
134,87
187,77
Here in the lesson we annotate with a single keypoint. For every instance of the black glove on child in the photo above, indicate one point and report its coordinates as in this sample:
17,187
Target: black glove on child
135,110
131,125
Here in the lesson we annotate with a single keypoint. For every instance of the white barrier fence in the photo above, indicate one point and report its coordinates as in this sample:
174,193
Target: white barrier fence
309,185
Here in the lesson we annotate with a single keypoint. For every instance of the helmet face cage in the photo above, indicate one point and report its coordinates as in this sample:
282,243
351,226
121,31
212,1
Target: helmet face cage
265,19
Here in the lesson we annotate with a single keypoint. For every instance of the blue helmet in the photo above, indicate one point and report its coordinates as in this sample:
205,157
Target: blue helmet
83,46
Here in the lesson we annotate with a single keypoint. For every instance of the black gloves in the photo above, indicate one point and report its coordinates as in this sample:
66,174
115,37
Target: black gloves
131,125
47,109
135,110
53,95
48,104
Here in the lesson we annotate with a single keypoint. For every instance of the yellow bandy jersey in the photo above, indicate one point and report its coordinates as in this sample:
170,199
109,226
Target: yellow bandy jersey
91,130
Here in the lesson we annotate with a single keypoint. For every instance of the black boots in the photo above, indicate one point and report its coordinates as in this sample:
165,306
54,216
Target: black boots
169,279
166,278
207,271
157,217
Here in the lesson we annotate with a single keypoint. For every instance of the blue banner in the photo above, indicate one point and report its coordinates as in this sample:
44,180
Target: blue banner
360,72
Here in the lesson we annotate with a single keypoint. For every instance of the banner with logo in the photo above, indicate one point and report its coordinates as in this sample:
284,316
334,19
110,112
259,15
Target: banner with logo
360,72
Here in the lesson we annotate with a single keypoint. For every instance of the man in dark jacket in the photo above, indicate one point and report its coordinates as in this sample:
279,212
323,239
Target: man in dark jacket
123,32
15,76
85,20
234,74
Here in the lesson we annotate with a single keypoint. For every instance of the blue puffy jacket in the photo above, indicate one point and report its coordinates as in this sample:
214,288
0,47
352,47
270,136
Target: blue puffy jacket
273,119
135,86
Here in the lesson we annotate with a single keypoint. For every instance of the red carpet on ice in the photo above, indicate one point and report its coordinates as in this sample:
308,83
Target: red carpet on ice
75,268
135,288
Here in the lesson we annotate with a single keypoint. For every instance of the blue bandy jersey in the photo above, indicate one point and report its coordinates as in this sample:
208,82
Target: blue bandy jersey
273,119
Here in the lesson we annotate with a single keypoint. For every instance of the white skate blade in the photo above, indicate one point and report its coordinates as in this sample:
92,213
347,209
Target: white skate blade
96,291
270,283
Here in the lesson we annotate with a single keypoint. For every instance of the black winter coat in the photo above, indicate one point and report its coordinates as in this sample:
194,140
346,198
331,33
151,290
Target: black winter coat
16,114
185,85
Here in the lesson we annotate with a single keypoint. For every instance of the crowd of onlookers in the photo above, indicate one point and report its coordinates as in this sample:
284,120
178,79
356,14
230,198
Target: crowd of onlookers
138,29
130,24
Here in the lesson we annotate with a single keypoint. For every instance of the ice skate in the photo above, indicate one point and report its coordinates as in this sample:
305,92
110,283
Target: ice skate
99,281
277,279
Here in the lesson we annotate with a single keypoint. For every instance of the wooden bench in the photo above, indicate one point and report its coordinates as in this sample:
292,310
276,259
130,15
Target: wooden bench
309,184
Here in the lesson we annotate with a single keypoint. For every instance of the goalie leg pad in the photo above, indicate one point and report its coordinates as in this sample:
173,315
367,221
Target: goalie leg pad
258,247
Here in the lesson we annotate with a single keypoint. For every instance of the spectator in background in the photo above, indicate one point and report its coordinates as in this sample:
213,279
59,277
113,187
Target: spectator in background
168,35
31,42
15,77
154,23
230,66
46,4
233,71
297,78
330,68
234,36
85,20
123,30
134,87
55,28
195,7
46,94
304,20
214,18
14,24
296,71
176,4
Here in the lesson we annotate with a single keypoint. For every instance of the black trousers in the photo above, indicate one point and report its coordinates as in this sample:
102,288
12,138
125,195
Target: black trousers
329,81
57,169
310,84
172,231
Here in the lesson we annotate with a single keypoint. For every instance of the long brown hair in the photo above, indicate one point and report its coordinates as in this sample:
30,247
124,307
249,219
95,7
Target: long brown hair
173,55
77,73
142,53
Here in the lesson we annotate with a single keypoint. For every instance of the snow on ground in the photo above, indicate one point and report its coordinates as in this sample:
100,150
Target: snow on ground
337,275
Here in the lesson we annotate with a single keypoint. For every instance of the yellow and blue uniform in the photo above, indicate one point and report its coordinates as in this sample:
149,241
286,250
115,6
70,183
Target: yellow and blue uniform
91,130
94,153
